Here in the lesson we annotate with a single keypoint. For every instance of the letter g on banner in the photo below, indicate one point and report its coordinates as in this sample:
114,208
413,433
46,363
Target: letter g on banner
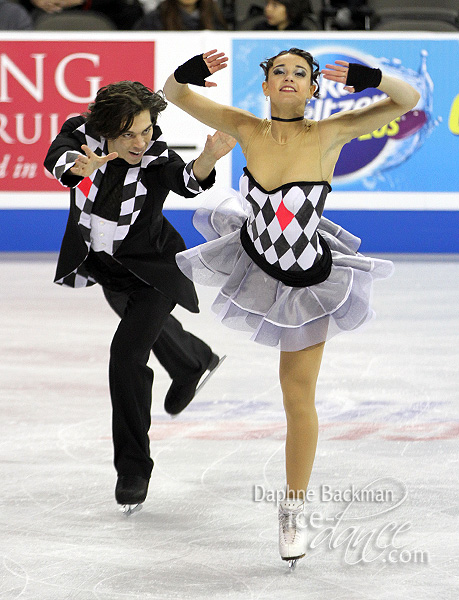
61,85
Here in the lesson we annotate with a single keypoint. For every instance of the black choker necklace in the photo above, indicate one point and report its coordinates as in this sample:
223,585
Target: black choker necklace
287,120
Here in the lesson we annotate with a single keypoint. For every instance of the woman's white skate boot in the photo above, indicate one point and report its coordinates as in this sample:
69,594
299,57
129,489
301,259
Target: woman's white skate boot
292,531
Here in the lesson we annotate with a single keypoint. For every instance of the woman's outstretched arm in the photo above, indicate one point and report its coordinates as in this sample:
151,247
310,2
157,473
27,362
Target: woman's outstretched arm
348,125
234,121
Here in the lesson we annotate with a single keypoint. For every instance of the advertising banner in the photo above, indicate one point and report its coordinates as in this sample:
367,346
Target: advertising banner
416,153
388,186
42,83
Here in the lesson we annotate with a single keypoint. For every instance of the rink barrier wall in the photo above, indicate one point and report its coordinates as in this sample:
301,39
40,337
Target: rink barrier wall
388,231
412,205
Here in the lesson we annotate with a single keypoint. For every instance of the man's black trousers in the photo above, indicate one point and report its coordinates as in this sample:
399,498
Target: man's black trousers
146,325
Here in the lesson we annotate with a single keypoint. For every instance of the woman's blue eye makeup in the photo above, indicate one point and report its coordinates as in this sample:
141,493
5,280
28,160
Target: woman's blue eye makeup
281,71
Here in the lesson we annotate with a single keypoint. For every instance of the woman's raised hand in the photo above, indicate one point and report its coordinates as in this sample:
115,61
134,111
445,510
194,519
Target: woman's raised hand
215,62
338,72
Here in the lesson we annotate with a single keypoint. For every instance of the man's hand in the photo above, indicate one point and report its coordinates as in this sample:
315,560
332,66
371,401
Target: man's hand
217,145
86,165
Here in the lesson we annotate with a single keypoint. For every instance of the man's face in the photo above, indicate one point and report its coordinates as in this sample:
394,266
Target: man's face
132,144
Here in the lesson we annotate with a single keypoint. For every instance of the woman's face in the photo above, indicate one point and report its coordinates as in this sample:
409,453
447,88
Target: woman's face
289,81
276,14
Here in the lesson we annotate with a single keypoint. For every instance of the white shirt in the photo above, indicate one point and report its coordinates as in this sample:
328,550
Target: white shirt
102,234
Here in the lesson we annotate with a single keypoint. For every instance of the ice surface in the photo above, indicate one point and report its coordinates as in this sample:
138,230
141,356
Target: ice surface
387,401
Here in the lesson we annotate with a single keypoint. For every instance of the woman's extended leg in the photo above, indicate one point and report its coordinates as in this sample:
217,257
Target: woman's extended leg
298,372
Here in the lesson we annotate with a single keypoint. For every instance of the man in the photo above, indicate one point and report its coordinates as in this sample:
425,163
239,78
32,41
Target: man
120,171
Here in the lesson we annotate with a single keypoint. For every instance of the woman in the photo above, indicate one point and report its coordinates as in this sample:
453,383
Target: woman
182,15
291,277
286,15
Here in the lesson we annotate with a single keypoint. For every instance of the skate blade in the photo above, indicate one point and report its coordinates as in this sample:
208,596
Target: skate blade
292,562
130,509
209,375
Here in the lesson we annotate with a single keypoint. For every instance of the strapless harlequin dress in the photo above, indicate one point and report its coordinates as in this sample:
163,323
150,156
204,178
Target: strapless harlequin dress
288,276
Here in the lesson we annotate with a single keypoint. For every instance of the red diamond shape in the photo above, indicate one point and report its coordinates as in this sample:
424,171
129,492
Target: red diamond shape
85,186
284,216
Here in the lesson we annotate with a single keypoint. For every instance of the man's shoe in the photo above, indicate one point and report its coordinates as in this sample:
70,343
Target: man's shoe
131,489
180,393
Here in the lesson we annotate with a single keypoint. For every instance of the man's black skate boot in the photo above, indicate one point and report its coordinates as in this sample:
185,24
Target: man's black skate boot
181,393
131,489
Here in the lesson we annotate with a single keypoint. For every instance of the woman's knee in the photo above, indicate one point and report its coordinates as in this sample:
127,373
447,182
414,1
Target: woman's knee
299,396
299,386
300,408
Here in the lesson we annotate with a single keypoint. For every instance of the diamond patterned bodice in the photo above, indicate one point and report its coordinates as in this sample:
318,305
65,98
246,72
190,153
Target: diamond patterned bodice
282,224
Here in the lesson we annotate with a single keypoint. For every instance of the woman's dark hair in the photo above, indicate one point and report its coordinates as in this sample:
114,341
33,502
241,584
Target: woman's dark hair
117,104
267,64
209,14
296,10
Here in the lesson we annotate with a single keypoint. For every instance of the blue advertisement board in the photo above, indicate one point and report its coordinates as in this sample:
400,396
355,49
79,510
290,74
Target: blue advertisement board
397,189
417,153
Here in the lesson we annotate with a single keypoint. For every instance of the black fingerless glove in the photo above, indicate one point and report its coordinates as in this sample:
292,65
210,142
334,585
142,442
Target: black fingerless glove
193,71
361,77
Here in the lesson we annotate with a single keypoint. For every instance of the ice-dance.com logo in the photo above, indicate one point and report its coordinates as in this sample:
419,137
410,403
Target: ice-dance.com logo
360,542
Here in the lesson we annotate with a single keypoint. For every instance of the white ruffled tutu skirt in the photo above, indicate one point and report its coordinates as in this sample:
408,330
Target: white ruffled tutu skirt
272,313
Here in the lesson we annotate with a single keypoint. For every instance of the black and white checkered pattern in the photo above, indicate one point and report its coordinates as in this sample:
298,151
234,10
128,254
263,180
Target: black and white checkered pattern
134,193
283,224
64,163
191,183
